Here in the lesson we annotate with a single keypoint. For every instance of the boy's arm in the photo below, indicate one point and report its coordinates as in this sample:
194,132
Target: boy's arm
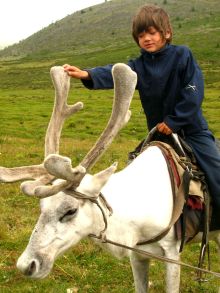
94,78
100,78
76,72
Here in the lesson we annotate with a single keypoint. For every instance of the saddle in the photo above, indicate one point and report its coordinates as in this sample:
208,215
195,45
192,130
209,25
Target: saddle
191,212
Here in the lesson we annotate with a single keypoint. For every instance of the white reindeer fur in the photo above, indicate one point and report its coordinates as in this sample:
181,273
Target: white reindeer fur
141,209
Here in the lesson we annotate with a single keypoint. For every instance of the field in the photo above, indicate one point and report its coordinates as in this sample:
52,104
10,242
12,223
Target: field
26,99
86,268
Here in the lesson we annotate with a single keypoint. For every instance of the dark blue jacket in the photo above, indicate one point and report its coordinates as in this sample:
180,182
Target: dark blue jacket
170,85
171,89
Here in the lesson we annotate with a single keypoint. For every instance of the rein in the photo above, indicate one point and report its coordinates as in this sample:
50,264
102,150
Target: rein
104,239
157,257
94,199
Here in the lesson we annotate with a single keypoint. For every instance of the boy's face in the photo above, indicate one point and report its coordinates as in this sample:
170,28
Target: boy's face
151,40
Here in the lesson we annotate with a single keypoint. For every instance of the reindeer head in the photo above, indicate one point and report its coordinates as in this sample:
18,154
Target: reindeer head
65,218
63,222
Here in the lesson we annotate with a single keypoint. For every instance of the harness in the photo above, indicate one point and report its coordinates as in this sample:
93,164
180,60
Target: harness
191,211
183,175
188,189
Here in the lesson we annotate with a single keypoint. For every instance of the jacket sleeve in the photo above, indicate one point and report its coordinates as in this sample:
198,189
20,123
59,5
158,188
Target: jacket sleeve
191,95
101,78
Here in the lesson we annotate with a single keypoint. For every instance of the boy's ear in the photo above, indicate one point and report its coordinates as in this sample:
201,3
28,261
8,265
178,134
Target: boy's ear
168,35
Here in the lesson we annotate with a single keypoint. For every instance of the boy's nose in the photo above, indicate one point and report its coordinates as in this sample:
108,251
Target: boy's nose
147,37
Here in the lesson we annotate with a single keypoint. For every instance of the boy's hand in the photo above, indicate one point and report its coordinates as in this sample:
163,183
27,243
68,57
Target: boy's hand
163,128
76,72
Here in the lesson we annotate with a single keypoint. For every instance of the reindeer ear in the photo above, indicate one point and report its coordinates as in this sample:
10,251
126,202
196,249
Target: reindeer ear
100,179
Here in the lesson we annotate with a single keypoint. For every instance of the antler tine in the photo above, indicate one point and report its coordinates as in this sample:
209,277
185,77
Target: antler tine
21,173
61,110
124,82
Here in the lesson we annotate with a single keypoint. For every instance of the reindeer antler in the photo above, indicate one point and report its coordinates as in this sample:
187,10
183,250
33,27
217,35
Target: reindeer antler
124,82
61,111
124,85
56,166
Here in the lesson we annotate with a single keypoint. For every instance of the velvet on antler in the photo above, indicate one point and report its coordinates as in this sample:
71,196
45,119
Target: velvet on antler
56,166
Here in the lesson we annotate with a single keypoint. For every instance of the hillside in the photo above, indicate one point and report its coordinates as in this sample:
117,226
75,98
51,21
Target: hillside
101,34
108,25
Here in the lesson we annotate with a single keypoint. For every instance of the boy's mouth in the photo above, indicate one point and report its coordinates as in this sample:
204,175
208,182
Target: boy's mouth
148,46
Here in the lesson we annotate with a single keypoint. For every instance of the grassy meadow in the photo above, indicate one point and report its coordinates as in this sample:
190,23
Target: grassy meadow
25,112
26,99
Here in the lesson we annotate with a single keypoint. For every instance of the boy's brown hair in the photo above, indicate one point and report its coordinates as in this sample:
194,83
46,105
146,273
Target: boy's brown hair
151,15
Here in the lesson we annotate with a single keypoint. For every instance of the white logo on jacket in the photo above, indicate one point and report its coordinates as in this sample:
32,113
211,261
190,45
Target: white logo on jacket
193,87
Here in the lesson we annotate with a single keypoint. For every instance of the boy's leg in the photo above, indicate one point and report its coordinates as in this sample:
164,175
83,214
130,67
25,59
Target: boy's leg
208,158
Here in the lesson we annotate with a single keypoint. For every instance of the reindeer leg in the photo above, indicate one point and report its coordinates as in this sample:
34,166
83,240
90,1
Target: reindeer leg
172,270
140,269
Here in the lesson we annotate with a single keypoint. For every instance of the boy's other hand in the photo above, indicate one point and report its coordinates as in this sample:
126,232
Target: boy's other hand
163,128
76,72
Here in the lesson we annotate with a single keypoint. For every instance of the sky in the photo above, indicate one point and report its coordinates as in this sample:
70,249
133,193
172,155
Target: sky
19,19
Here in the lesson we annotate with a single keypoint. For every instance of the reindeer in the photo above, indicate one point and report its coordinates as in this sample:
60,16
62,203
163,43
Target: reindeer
128,207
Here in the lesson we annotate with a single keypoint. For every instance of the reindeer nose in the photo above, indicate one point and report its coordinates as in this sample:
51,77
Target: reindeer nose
31,269
28,269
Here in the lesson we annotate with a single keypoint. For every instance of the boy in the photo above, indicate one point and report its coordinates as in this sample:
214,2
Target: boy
171,89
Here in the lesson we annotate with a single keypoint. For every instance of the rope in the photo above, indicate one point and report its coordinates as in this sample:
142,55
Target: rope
103,238
157,257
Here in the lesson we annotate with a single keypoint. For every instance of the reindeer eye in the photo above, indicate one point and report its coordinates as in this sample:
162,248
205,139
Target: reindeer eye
68,216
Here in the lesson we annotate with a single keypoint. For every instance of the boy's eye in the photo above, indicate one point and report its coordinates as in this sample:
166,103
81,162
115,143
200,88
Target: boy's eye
152,32
141,35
